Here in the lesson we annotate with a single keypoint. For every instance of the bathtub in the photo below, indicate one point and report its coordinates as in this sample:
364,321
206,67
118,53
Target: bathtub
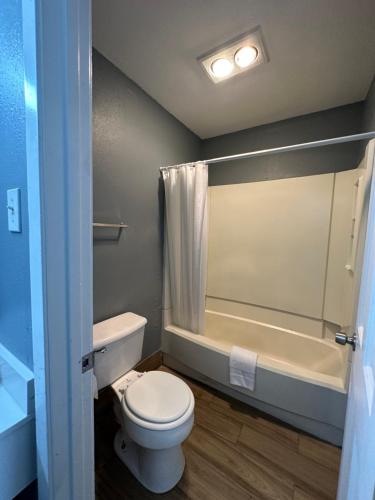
300,379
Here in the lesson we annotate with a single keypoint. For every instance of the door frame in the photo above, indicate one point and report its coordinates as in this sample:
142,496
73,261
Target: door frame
360,401
57,55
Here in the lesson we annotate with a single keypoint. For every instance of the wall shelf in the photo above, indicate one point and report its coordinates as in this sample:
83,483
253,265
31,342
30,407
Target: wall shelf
105,224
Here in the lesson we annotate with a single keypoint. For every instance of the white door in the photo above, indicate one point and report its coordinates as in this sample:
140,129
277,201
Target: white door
57,59
357,473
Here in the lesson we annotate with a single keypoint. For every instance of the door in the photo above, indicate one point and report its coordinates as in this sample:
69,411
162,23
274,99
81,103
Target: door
357,473
57,60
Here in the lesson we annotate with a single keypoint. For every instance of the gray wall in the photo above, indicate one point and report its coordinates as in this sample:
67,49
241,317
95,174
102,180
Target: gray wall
15,313
344,120
132,137
369,109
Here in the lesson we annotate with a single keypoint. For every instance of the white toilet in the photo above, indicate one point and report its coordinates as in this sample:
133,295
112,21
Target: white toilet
155,409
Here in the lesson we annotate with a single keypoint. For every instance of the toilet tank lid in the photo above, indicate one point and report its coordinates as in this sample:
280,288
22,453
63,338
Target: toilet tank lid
113,329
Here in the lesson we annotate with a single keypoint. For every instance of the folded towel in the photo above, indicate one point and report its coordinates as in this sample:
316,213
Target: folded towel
242,366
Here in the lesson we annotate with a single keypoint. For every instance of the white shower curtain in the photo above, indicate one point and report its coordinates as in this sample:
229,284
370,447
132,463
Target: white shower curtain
185,249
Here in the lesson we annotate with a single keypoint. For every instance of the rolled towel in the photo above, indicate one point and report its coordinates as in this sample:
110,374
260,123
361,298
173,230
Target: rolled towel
242,367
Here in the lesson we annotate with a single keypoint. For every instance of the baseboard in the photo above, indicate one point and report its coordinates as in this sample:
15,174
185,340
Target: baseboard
152,362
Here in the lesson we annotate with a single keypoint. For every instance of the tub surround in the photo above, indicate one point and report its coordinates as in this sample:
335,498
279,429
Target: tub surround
268,243
309,326
279,250
17,425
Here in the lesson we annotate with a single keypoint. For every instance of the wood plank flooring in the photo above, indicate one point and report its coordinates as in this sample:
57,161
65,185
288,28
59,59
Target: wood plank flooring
233,453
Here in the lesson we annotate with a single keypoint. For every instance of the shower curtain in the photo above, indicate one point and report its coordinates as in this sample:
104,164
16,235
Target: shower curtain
185,247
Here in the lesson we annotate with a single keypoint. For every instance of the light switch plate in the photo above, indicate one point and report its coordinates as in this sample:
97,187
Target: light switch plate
14,210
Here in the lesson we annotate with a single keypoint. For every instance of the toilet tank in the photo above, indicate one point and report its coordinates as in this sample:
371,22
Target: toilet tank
118,345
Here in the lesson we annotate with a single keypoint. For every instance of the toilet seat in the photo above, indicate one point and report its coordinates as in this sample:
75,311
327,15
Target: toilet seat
158,401
158,397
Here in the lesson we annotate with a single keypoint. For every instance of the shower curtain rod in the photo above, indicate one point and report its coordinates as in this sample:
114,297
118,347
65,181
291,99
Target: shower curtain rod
284,149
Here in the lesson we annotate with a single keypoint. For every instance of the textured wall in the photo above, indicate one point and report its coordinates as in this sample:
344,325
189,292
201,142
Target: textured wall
15,315
335,122
133,137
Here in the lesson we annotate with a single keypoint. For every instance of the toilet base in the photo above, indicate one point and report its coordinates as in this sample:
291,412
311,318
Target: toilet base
157,470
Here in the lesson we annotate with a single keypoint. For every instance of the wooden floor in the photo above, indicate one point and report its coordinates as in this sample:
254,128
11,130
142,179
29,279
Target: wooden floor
233,453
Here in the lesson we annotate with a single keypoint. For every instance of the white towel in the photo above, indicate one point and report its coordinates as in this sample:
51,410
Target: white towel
242,367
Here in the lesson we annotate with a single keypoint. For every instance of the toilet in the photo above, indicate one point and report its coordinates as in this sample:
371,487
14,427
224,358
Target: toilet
155,409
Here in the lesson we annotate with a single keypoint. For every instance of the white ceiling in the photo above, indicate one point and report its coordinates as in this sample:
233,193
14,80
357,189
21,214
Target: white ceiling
322,54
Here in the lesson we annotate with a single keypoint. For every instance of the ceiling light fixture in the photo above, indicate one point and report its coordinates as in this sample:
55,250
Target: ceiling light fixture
245,56
235,57
221,67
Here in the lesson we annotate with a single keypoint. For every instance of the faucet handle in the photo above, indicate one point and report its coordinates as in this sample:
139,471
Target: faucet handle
342,338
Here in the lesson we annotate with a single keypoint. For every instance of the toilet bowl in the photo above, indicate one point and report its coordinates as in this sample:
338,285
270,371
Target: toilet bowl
156,414
154,409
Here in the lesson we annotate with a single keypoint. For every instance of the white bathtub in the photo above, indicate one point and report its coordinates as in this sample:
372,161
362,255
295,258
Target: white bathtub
300,379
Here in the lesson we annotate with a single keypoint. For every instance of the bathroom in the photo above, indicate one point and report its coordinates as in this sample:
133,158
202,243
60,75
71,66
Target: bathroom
203,328
277,259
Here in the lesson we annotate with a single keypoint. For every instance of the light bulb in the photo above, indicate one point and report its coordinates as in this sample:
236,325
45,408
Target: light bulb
245,56
221,67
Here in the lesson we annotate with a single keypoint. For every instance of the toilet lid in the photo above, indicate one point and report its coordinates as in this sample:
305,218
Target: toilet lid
158,397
